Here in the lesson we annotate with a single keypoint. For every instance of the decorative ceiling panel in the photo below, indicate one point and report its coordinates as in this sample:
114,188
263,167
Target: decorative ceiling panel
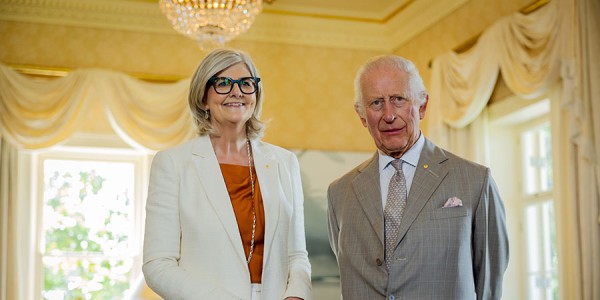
356,24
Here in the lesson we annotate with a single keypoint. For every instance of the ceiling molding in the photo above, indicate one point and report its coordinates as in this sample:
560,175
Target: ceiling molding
417,17
317,32
136,16
385,35
379,12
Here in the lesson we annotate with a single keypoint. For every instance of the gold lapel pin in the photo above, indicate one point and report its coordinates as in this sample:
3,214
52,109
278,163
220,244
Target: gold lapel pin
425,166
267,166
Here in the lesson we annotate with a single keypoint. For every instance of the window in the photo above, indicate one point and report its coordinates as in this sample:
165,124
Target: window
538,213
521,162
91,212
537,155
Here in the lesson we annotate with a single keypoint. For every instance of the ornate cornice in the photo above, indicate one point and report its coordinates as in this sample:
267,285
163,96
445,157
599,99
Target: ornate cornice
137,16
270,26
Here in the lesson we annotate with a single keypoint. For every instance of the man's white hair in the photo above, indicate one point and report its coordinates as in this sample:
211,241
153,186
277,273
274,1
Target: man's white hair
416,89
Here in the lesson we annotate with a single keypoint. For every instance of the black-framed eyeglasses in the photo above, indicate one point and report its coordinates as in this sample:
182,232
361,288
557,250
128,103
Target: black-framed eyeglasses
224,85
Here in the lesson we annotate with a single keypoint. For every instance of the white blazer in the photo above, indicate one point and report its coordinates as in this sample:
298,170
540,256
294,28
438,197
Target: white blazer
192,245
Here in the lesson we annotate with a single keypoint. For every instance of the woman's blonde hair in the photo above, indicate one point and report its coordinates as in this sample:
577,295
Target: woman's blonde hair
213,64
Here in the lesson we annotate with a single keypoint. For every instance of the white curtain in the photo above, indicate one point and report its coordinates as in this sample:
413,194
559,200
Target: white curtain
524,48
9,285
557,45
578,114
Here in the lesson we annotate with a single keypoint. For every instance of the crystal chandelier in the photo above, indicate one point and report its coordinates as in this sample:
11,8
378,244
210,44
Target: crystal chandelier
211,22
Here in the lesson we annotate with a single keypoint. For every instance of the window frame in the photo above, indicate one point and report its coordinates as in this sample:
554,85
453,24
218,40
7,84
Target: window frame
508,118
527,200
141,162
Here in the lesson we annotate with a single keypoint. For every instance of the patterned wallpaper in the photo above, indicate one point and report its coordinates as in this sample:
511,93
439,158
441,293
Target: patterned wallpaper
308,90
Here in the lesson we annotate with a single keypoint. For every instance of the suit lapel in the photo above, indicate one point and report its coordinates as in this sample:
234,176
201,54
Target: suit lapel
429,174
366,186
213,185
267,171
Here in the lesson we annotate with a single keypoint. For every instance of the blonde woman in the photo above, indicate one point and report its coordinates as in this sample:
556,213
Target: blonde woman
224,216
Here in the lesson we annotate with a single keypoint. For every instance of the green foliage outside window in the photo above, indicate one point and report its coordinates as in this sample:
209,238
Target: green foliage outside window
87,223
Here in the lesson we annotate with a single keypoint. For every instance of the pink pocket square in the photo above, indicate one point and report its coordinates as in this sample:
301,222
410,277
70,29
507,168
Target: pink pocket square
452,202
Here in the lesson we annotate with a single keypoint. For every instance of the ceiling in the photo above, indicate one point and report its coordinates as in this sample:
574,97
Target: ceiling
380,25
370,11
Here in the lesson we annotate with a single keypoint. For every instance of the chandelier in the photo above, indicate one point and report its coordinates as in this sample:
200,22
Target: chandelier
211,22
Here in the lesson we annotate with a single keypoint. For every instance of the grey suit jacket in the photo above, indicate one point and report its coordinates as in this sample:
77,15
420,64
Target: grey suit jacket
443,253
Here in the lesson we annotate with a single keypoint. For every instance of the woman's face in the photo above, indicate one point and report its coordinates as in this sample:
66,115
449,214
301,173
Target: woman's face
235,107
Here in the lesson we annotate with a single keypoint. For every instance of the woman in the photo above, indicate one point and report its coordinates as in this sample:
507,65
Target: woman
224,216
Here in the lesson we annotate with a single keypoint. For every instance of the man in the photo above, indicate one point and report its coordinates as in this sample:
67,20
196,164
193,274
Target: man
414,221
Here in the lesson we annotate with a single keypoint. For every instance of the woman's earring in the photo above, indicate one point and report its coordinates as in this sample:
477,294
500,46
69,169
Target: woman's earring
206,114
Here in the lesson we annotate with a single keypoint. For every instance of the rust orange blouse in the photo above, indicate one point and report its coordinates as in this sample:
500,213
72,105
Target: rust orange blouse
237,180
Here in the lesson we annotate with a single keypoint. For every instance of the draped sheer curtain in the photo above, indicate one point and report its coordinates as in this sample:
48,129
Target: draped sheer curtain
8,221
556,46
40,113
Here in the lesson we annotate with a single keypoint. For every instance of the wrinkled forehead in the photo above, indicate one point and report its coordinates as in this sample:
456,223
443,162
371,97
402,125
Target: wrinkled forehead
385,81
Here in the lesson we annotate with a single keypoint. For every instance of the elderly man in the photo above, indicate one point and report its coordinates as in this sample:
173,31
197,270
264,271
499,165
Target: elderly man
414,221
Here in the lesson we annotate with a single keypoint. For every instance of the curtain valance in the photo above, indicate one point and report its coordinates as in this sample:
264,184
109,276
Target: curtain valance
37,113
525,49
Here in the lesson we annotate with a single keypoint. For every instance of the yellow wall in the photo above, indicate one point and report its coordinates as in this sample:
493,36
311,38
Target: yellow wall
308,90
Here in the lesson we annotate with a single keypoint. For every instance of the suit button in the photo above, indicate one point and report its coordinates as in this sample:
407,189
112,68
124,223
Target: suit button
379,262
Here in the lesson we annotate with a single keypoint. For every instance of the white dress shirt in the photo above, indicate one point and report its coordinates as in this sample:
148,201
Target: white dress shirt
386,170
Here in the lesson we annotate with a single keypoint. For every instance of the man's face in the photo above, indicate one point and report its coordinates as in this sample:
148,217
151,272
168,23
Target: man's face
391,117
